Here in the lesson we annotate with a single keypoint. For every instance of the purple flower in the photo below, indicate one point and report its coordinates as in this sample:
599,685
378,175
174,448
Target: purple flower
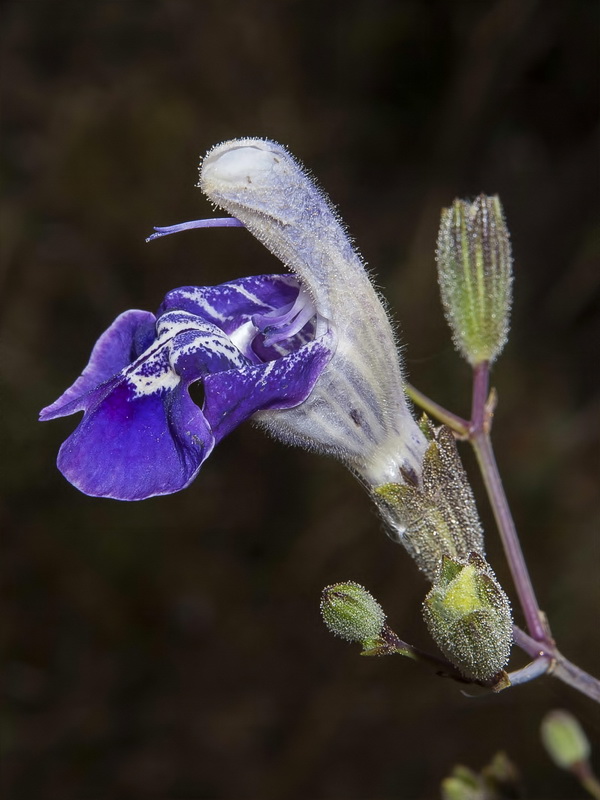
312,357
250,343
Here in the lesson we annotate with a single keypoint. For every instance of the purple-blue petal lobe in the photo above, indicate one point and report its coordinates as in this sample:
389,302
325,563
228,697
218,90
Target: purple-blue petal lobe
233,396
232,304
129,335
130,448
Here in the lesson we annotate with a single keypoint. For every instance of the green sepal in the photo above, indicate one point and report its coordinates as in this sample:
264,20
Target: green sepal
469,617
438,516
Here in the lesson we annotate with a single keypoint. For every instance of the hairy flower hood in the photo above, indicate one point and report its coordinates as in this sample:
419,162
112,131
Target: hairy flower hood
357,410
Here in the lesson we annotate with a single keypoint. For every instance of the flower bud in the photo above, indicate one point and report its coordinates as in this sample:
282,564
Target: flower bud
469,617
499,778
475,276
463,784
564,739
351,612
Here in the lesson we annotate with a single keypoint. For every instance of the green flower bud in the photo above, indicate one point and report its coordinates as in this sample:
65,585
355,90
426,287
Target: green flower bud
350,611
499,779
463,784
469,617
564,739
475,276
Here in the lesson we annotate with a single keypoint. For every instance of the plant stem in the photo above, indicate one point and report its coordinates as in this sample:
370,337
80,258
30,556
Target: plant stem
482,444
535,669
481,381
489,470
454,422
558,666
393,644
583,772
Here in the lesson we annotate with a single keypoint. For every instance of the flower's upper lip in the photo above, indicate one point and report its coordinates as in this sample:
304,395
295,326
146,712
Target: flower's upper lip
231,174
226,163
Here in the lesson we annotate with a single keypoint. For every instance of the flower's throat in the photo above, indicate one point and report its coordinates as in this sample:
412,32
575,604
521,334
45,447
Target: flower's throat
285,322
275,326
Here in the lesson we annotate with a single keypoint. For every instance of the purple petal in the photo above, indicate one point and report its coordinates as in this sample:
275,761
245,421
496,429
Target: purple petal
142,435
231,397
231,305
129,335
131,448
197,347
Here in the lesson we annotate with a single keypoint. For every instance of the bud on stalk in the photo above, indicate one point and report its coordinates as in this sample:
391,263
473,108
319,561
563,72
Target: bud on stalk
475,276
564,739
351,612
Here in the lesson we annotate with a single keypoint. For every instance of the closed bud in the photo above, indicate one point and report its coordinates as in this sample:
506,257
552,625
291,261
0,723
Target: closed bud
351,612
469,617
475,275
564,739
463,784
499,779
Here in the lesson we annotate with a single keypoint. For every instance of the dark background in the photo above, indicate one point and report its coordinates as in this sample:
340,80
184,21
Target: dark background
173,648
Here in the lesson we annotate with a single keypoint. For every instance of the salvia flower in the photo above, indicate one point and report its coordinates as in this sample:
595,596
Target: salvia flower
311,356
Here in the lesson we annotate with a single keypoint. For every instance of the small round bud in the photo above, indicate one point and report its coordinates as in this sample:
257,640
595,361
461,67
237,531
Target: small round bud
564,739
499,778
469,617
475,276
463,784
350,611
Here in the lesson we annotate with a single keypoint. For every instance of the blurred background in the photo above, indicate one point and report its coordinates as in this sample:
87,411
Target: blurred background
173,648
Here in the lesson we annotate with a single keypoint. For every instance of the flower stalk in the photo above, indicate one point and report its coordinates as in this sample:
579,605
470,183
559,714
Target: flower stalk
479,437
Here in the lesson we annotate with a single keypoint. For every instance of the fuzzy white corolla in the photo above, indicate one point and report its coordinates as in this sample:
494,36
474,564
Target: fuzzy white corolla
357,410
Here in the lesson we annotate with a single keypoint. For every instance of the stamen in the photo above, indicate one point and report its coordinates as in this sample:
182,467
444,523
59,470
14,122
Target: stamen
217,222
286,322
278,316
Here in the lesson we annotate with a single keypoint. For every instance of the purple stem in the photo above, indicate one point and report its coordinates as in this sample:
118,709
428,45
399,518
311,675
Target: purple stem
535,669
482,445
558,666
481,381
